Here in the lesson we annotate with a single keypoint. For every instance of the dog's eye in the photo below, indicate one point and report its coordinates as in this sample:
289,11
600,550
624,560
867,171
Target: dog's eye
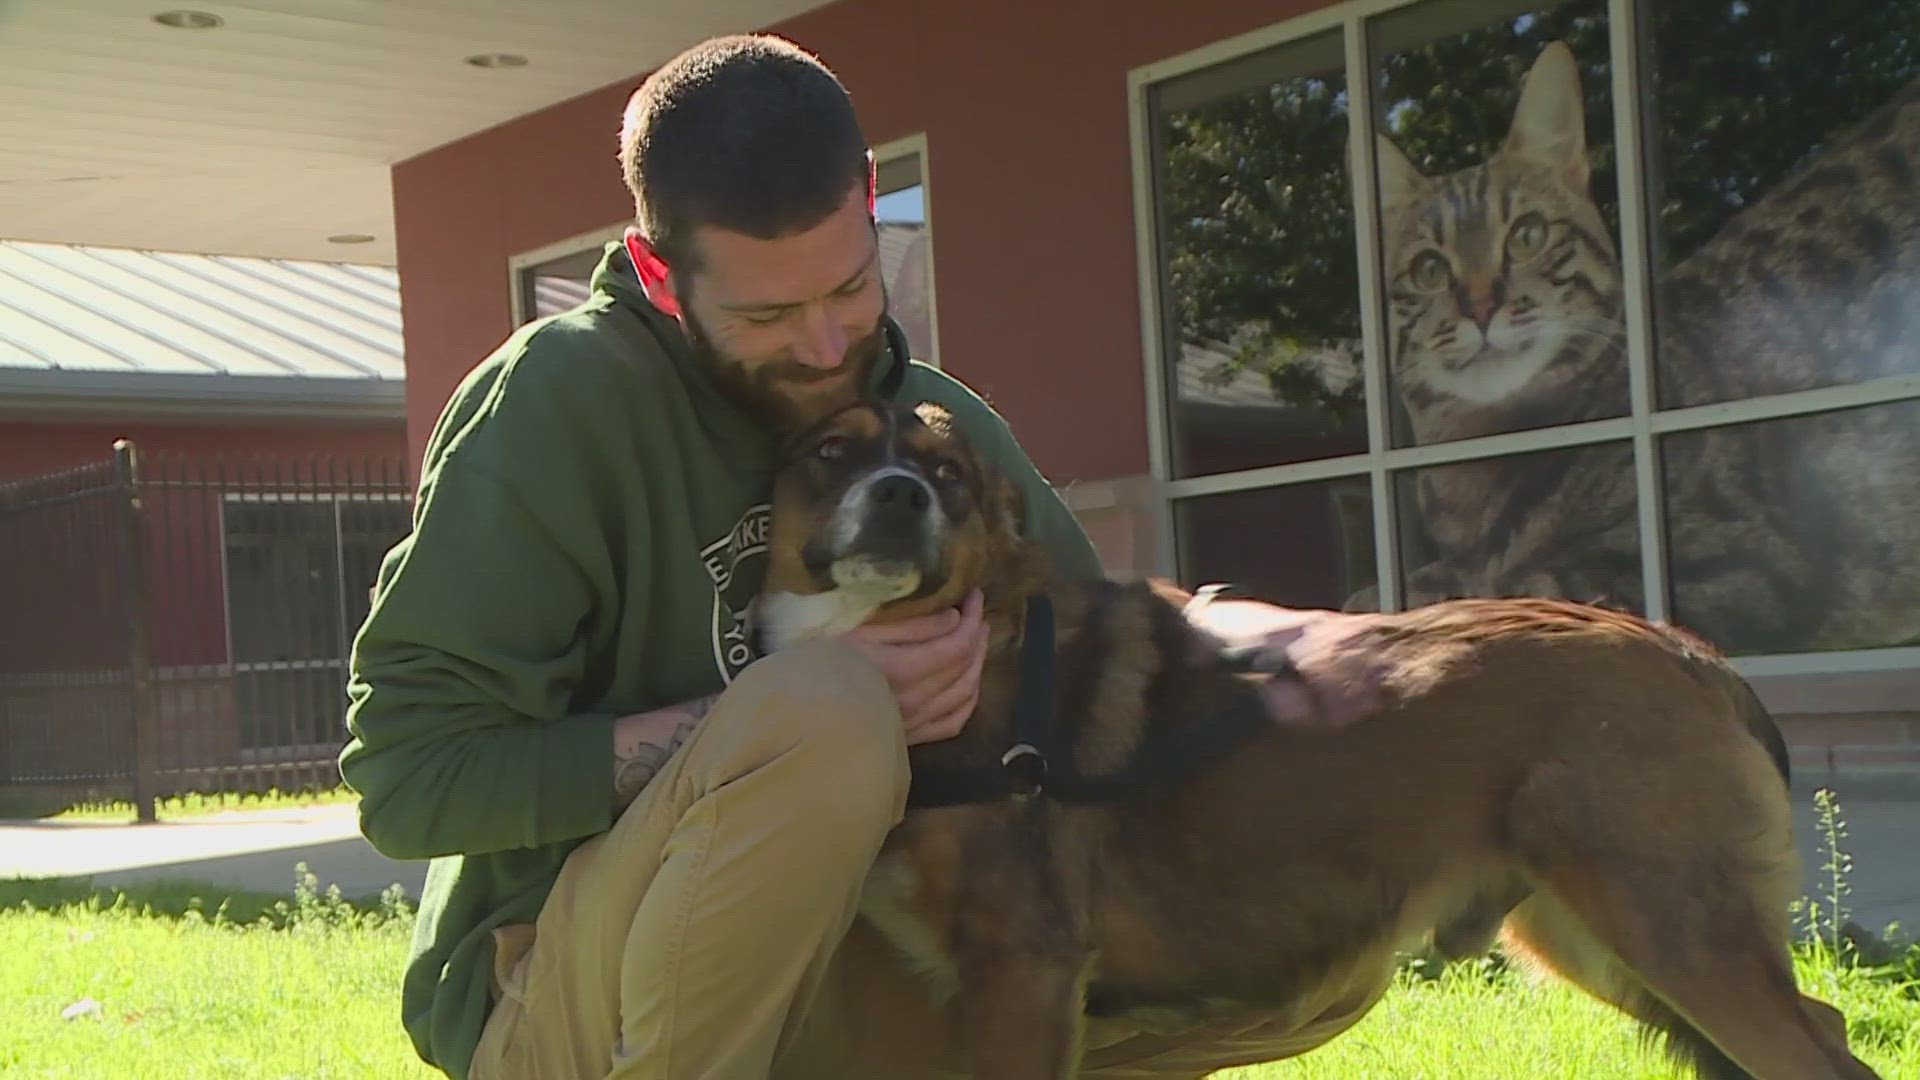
830,448
949,471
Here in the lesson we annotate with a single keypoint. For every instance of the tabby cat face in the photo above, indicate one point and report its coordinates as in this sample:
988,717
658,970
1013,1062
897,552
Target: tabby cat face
1502,279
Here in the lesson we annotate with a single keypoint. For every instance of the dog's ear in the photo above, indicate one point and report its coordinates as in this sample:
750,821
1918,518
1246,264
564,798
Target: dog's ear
937,418
1006,512
1009,504
792,442
1020,563
788,445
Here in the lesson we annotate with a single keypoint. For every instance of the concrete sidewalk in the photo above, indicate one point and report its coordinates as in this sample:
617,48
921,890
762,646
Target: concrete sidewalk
254,851
258,851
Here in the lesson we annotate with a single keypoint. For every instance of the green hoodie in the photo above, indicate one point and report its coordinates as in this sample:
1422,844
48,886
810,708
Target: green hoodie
589,529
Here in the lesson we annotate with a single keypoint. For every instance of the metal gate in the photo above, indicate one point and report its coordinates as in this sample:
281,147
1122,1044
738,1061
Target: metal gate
175,623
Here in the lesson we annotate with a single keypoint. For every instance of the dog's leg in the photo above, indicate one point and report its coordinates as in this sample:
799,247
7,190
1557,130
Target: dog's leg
1472,932
1544,935
1020,1014
1679,920
1724,994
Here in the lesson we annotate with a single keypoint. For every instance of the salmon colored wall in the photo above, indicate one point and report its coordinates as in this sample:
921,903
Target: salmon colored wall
32,447
64,567
64,564
1031,202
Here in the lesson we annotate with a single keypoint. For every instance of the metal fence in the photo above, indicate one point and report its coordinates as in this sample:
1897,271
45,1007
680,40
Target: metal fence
180,622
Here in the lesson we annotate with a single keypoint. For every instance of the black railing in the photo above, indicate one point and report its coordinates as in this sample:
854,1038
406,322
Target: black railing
175,623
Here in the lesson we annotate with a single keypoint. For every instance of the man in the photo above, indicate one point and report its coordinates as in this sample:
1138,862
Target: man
647,842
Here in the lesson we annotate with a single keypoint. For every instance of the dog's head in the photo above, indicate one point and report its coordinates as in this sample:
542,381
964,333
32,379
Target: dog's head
892,500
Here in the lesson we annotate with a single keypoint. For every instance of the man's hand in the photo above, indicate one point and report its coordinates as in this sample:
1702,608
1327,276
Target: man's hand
1343,681
933,663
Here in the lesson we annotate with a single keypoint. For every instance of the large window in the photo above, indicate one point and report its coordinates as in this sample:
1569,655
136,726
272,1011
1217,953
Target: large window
906,246
1612,300
556,278
552,284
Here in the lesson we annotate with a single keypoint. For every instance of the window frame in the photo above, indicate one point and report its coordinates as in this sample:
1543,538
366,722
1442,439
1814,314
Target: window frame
519,263
1381,462
884,155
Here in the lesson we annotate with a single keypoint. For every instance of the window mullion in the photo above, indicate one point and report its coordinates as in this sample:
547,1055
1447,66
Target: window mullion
1635,262
1366,232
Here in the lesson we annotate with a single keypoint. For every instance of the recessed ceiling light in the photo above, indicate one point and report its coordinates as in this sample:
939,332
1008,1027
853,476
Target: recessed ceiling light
497,60
350,238
189,20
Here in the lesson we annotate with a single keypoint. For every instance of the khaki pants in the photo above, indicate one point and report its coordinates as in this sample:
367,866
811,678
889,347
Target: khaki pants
706,935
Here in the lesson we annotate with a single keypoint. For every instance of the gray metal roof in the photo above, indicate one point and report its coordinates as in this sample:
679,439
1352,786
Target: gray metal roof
88,327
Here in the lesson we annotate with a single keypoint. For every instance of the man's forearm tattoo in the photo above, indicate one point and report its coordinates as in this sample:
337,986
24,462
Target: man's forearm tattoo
637,765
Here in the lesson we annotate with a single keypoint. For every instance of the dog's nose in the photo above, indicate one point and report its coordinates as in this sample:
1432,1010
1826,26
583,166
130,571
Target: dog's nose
901,494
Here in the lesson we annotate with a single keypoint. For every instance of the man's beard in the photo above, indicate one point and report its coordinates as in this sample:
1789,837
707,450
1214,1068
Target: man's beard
784,396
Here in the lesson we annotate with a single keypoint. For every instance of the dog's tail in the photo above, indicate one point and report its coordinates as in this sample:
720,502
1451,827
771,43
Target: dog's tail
1761,725
1740,693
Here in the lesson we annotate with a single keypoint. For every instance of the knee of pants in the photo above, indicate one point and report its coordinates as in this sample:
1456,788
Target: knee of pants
826,708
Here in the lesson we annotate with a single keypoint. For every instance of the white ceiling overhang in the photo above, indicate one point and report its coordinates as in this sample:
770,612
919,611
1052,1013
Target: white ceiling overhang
278,128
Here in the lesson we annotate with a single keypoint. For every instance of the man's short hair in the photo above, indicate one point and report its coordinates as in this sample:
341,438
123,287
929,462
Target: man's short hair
747,133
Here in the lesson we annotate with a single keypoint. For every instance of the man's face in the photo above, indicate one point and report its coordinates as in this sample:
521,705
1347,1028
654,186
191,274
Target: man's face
790,328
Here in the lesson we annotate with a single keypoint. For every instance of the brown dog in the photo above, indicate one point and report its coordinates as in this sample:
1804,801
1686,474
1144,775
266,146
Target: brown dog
1122,832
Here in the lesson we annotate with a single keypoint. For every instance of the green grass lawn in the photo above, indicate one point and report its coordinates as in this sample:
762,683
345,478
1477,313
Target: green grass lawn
261,987
182,807
267,988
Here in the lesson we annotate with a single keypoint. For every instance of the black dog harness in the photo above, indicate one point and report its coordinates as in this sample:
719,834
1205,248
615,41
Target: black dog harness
1037,765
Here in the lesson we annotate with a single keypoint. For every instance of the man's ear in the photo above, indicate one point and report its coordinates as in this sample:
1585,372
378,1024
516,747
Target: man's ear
654,273
666,295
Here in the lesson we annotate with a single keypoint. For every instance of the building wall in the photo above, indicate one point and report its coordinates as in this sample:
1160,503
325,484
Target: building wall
33,447
1034,247
257,544
65,574
1024,108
